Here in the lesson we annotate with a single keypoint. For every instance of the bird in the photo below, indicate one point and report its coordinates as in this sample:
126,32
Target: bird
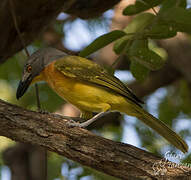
91,88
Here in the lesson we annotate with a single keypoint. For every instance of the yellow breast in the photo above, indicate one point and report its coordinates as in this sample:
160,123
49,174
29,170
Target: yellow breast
84,95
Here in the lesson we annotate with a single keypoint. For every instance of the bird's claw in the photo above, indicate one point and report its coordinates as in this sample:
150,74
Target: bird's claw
76,124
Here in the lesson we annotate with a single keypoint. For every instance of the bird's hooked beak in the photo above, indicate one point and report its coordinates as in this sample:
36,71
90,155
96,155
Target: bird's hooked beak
24,84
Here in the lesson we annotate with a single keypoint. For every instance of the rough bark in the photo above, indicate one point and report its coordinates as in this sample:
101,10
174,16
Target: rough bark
34,16
114,158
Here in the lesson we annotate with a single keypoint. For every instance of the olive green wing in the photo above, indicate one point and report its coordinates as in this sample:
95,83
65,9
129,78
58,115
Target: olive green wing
84,69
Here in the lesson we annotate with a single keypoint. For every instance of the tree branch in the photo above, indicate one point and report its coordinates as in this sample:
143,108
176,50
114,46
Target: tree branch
114,158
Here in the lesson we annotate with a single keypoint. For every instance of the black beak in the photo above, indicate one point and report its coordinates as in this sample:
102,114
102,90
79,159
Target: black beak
23,86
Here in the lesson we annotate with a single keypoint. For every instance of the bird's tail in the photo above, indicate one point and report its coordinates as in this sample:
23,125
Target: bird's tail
162,129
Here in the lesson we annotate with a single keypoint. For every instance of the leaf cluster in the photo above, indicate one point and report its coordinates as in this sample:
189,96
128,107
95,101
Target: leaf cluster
133,40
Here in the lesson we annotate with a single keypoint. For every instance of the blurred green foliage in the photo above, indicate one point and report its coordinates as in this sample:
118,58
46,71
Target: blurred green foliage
144,26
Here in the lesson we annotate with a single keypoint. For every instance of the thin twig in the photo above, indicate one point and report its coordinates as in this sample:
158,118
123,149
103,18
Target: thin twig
24,46
16,26
37,97
155,12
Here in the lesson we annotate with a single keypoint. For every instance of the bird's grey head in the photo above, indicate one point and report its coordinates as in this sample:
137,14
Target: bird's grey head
35,65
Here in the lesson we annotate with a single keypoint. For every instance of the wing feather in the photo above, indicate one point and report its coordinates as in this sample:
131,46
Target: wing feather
83,69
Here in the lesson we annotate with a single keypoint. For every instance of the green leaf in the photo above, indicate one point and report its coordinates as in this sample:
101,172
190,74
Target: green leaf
121,44
139,23
179,18
138,71
140,6
138,45
133,31
160,30
168,4
101,42
148,59
140,53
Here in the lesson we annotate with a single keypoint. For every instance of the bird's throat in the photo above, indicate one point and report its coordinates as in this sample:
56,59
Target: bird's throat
38,78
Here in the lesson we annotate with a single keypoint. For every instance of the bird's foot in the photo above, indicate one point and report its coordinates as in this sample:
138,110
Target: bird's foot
77,124
86,123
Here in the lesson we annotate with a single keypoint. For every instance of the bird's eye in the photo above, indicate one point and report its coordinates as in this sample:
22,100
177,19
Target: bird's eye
29,68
